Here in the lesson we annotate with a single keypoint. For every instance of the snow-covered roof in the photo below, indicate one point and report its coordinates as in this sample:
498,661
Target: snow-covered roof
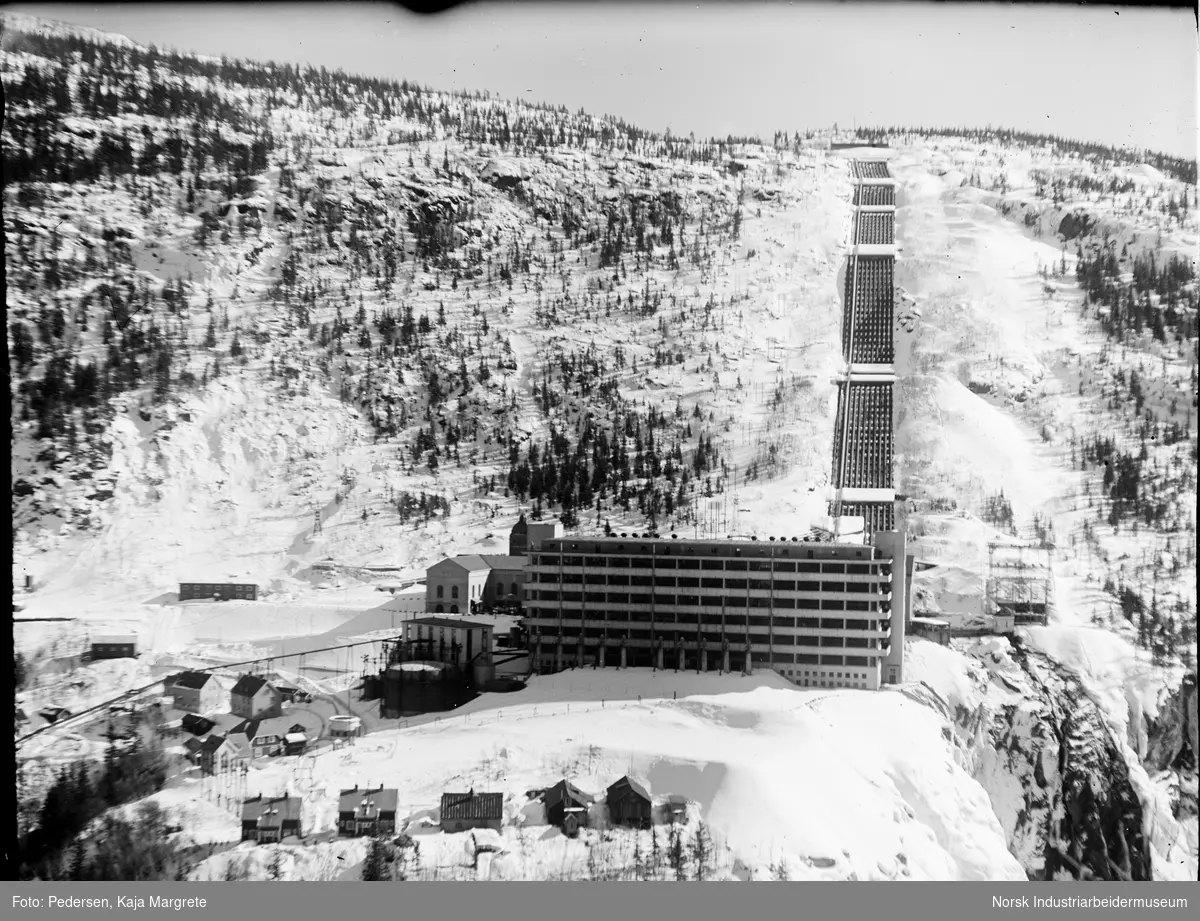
446,622
271,810
383,799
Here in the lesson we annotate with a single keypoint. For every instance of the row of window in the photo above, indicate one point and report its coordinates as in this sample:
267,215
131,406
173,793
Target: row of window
776,660
658,562
756,585
206,588
736,603
777,639
715,620
441,589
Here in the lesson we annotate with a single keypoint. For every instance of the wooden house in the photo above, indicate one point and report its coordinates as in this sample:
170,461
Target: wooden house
270,738
108,646
567,805
292,695
462,811
629,804
255,698
218,754
196,725
194,692
270,819
367,812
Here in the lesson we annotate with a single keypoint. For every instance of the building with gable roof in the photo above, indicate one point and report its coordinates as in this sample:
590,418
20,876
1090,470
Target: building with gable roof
255,698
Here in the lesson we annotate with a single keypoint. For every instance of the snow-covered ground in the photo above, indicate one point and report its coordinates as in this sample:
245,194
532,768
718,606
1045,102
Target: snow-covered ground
770,768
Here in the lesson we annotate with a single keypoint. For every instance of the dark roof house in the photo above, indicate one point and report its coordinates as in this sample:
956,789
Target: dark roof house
563,798
249,685
367,811
629,803
193,681
270,819
471,810
196,725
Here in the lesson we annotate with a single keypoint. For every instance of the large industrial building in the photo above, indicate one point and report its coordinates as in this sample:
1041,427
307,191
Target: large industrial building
821,614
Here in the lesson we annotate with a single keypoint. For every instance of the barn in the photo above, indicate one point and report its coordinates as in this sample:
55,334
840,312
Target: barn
629,804
567,806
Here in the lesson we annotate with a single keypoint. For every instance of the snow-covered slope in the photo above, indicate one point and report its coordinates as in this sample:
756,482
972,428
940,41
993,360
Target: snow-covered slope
887,800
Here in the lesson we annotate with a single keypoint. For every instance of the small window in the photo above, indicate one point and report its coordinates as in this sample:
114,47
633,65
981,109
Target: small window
453,609
439,610
454,591
441,591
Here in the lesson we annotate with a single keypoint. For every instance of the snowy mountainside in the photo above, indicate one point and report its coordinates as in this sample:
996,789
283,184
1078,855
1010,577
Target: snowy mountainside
1010,391
467,294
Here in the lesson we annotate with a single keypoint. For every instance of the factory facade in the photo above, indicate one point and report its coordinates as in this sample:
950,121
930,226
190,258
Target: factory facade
821,614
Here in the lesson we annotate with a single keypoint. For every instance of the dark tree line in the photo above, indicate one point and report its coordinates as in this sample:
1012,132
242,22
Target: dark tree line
80,793
1129,310
1091,151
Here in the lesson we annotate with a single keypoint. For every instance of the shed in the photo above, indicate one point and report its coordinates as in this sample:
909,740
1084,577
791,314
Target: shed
196,725
295,743
462,811
629,803
677,808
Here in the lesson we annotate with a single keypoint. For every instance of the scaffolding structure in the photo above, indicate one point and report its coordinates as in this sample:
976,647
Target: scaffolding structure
1020,582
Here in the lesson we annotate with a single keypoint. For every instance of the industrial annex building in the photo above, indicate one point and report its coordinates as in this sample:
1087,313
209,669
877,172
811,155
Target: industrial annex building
822,613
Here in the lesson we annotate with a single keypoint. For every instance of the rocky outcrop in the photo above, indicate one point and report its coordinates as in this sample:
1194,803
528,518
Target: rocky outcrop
1075,224
502,174
1171,742
1040,745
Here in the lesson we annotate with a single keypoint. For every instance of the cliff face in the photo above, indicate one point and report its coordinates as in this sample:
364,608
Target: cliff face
1170,742
1070,794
